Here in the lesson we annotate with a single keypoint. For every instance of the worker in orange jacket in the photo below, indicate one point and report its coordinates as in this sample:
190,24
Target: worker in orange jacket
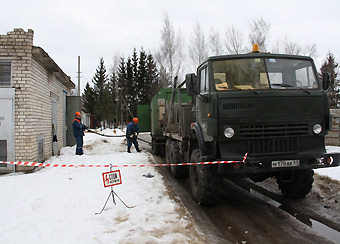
132,132
78,132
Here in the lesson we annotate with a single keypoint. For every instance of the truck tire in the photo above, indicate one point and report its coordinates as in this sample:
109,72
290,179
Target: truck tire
300,184
204,181
179,172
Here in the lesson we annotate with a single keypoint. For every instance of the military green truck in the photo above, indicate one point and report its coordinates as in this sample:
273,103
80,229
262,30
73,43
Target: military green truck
271,107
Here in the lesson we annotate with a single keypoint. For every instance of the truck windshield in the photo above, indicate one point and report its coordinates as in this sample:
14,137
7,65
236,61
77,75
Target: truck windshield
264,73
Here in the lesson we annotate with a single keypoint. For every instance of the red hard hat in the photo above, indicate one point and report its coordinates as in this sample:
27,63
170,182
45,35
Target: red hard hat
78,114
135,120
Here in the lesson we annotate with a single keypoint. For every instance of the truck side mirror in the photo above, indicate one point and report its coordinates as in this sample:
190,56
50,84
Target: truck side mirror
325,80
191,84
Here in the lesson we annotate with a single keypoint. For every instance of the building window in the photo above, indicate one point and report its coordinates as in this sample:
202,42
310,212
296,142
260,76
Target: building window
5,73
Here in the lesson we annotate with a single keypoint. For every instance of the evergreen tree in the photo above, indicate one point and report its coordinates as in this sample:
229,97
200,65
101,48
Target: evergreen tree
112,97
88,99
122,85
113,86
330,66
143,83
122,74
138,81
109,112
153,77
99,80
134,94
129,90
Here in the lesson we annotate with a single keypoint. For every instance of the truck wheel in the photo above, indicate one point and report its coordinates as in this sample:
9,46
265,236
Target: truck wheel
178,171
300,184
155,148
204,180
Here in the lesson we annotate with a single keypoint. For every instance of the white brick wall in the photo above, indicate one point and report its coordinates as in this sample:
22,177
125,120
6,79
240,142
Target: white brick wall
44,85
333,136
33,103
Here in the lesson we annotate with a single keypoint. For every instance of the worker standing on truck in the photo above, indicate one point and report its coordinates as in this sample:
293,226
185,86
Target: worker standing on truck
78,132
132,132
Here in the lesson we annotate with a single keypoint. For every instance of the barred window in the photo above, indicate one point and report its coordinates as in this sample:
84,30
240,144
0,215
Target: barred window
5,73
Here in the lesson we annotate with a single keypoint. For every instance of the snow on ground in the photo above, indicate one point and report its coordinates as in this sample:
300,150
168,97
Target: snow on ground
58,205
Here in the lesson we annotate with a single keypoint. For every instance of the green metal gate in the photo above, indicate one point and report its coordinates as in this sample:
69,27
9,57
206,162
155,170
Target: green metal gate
144,116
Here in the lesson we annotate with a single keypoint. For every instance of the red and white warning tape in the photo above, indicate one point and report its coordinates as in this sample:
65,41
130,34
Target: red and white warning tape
116,166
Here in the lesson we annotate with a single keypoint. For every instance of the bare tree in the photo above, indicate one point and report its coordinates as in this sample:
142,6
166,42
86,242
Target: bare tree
116,60
294,48
215,42
310,50
259,33
180,55
291,47
170,56
276,47
197,46
234,41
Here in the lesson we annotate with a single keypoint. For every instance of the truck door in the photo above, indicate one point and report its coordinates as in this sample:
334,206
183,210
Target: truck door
204,105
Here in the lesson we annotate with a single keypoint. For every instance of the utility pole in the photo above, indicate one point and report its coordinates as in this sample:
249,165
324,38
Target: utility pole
79,82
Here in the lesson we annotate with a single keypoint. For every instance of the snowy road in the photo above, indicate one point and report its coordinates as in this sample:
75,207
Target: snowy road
246,216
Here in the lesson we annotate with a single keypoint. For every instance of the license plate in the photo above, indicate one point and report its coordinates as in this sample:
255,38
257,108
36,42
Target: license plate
285,163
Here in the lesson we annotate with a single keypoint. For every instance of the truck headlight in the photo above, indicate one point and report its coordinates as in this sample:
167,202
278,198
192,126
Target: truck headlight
229,132
317,128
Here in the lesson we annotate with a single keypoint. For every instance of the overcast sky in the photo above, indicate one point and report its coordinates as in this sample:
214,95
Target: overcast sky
66,29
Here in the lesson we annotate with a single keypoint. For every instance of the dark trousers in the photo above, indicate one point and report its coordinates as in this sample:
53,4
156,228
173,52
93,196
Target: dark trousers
132,140
79,149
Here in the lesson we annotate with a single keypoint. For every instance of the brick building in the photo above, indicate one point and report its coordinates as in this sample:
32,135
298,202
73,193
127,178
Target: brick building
332,139
33,92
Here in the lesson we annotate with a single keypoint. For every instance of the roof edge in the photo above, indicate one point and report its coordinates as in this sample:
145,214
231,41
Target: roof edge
48,63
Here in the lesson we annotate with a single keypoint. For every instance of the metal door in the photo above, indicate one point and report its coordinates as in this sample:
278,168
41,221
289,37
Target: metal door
6,128
54,127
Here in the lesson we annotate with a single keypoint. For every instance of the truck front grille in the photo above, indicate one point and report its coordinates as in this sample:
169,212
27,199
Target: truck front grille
274,131
238,106
272,146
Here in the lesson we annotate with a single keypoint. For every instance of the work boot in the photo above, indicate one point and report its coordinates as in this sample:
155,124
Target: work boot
138,150
129,151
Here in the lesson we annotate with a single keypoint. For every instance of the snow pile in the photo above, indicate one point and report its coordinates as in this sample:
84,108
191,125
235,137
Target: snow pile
58,205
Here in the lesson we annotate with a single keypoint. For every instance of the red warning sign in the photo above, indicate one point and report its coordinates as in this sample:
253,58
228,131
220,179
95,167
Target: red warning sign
112,178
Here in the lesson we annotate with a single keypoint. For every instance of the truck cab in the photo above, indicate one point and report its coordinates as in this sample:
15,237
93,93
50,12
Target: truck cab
272,108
